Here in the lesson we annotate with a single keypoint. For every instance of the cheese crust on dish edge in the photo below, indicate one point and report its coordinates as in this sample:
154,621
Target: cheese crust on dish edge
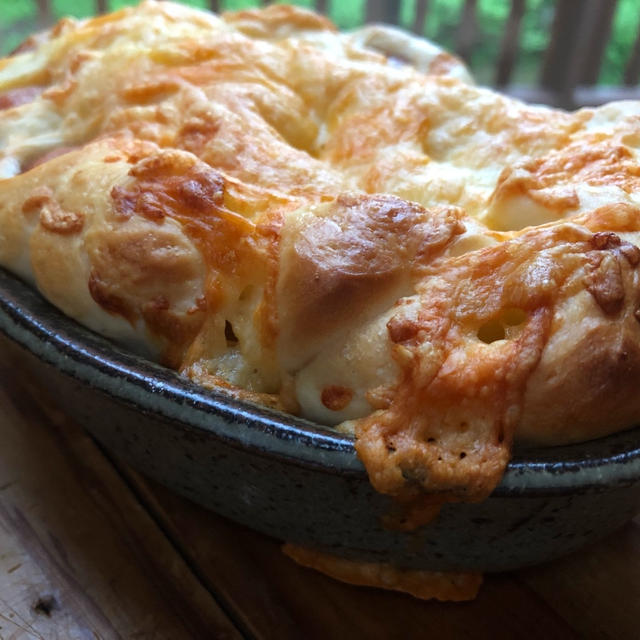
367,240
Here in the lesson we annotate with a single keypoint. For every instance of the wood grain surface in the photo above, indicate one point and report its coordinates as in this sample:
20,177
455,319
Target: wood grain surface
79,556
90,549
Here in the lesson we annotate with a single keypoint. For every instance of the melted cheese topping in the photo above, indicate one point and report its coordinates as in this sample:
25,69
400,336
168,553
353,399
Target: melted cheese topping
369,240
447,586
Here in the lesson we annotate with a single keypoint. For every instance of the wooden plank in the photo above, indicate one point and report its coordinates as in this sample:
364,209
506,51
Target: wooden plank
420,17
632,70
467,33
274,597
321,6
382,11
79,557
557,66
510,43
45,16
597,17
579,36
597,591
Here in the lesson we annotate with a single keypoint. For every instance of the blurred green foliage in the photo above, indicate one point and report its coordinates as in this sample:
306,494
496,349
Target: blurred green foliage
18,19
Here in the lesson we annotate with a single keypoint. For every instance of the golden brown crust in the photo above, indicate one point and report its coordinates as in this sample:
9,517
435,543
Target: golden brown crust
283,211
348,261
277,21
468,344
592,360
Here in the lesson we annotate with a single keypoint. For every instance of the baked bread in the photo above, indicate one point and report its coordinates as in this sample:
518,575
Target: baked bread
368,240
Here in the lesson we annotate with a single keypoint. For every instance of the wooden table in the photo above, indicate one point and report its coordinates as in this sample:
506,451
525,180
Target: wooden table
90,549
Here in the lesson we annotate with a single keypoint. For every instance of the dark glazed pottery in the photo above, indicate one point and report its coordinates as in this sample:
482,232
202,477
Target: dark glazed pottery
301,482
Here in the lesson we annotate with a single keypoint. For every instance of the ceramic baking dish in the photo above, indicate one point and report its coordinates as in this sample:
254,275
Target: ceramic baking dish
302,482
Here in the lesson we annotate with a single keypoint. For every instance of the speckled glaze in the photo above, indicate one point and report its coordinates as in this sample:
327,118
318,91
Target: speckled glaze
303,483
